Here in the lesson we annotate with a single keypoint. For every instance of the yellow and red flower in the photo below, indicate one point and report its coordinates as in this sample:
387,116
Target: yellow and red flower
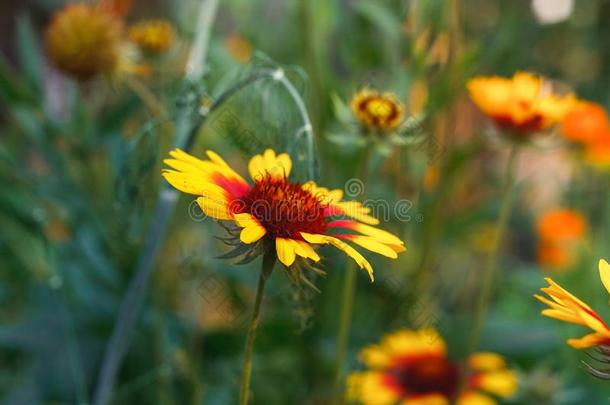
560,231
378,111
412,368
522,104
568,308
274,209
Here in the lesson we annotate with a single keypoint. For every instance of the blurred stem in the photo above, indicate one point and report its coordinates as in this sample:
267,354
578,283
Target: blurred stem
132,303
146,96
347,299
492,259
269,260
307,25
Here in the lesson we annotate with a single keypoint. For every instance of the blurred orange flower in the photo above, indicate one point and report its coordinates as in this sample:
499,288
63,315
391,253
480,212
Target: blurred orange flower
597,151
522,104
568,308
586,122
153,36
84,40
238,47
559,232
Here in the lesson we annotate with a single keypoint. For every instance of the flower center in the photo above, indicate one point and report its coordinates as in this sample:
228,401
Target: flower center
285,209
428,375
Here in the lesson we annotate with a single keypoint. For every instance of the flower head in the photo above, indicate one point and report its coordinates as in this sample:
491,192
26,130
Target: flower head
293,217
568,308
559,232
412,367
153,36
84,40
378,111
585,122
522,104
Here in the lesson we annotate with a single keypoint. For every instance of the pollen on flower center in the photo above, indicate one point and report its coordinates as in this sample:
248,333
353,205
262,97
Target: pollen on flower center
283,208
426,375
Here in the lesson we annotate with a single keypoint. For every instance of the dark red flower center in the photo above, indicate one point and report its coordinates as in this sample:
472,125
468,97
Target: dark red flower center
427,375
285,209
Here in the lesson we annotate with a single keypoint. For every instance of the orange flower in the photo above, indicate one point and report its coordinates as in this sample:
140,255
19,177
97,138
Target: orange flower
561,224
413,368
597,151
153,36
238,47
568,308
522,104
559,231
586,122
84,41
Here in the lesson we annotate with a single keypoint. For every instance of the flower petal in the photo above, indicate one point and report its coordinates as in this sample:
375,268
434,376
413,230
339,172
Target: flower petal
604,274
285,251
347,249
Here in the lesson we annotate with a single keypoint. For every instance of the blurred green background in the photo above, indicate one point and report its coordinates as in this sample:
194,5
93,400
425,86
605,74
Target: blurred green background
80,170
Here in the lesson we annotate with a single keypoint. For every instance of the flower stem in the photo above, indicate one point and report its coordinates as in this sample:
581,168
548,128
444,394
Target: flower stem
492,259
269,260
347,300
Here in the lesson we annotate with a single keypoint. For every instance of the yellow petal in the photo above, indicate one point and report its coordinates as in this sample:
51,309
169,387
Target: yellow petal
486,361
604,274
374,246
347,249
252,231
475,398
305,250
500,382
213,208
285,251
252,234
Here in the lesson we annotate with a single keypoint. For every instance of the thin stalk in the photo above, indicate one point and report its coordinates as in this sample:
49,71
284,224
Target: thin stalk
186,132
347,301
269,260
492,259
134,298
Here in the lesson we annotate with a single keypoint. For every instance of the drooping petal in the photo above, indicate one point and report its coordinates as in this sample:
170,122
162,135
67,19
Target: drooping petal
371,244
347,249
285,251
305,250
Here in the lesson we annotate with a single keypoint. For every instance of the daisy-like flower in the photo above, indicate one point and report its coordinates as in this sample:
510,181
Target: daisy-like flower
378,111
522,105
412,368
84,40
568,308
276,211
153,36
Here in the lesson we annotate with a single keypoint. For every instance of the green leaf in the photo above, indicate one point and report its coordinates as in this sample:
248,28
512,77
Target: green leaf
29,52
381,17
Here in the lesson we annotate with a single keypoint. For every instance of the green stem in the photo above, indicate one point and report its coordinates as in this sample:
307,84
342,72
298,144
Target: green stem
268,263
347,302
492,259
